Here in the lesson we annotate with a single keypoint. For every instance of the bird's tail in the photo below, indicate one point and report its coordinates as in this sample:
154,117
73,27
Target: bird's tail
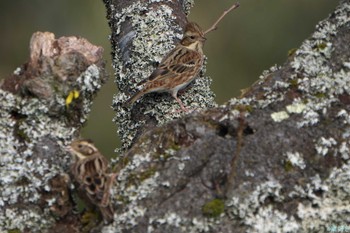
133,98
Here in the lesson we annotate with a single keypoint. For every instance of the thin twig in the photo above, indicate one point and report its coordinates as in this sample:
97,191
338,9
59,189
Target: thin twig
214,26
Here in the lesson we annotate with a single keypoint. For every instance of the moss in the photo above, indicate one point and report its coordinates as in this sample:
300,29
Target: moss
249,108
294,82
288,166
89,220
14,231
321,46
20,133
162,156
175,147
213,208
244,108
137,178
320,95
122,199
147,174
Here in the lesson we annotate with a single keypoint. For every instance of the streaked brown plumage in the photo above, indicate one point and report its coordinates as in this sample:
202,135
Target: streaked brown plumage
178,68
90,171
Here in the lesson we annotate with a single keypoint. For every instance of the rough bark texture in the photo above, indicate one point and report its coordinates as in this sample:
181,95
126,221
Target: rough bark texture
43,106
142,33
274,160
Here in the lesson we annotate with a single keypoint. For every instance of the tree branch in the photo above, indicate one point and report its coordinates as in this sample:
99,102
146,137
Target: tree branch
142,33
35,126
286,138
215,25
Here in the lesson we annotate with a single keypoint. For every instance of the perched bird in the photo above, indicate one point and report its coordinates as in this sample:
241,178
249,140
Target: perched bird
178,68
90,171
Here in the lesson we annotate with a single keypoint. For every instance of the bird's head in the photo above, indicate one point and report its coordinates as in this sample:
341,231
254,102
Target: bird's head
193,37
82,148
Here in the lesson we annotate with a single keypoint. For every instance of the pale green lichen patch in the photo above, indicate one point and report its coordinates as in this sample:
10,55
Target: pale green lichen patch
279,116
296,108
268,219
242,207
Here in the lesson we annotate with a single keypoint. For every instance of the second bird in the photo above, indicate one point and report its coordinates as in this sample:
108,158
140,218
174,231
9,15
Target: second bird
178,68
90,171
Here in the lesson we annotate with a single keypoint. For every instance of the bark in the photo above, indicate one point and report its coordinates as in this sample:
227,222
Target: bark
142,33
274,160
43,106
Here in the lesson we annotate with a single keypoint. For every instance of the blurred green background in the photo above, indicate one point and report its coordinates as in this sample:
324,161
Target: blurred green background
252,38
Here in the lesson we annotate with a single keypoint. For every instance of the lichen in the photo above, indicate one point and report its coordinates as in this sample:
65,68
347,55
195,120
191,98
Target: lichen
279,116
24,173
268,219
129,191
321,201
313,77
187,5
152,36
296,160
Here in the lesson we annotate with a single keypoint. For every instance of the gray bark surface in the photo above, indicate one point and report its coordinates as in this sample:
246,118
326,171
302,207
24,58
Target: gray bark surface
274,160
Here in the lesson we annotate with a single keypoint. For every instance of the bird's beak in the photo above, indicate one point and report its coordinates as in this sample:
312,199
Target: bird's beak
203,39
69,149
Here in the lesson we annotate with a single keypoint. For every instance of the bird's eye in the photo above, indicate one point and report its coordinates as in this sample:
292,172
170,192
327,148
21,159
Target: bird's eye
80,146
192,37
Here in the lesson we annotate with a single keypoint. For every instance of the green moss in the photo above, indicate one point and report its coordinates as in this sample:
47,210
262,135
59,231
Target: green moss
321,46
288,166
249,108
176,147
305,101
320,95
294,82
161,156
14,231
213,208
137,178
21,135
147,174
122,199
89,220
244,108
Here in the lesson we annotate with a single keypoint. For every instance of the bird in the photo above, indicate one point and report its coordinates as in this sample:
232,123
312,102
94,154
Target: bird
178,68
90,172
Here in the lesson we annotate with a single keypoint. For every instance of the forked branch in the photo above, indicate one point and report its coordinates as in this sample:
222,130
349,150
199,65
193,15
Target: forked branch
214,26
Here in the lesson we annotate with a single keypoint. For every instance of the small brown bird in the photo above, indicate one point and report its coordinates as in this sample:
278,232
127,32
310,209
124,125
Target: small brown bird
178,68
90,171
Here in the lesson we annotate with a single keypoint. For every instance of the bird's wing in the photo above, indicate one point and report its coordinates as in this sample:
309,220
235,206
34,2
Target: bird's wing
94,177
177,62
